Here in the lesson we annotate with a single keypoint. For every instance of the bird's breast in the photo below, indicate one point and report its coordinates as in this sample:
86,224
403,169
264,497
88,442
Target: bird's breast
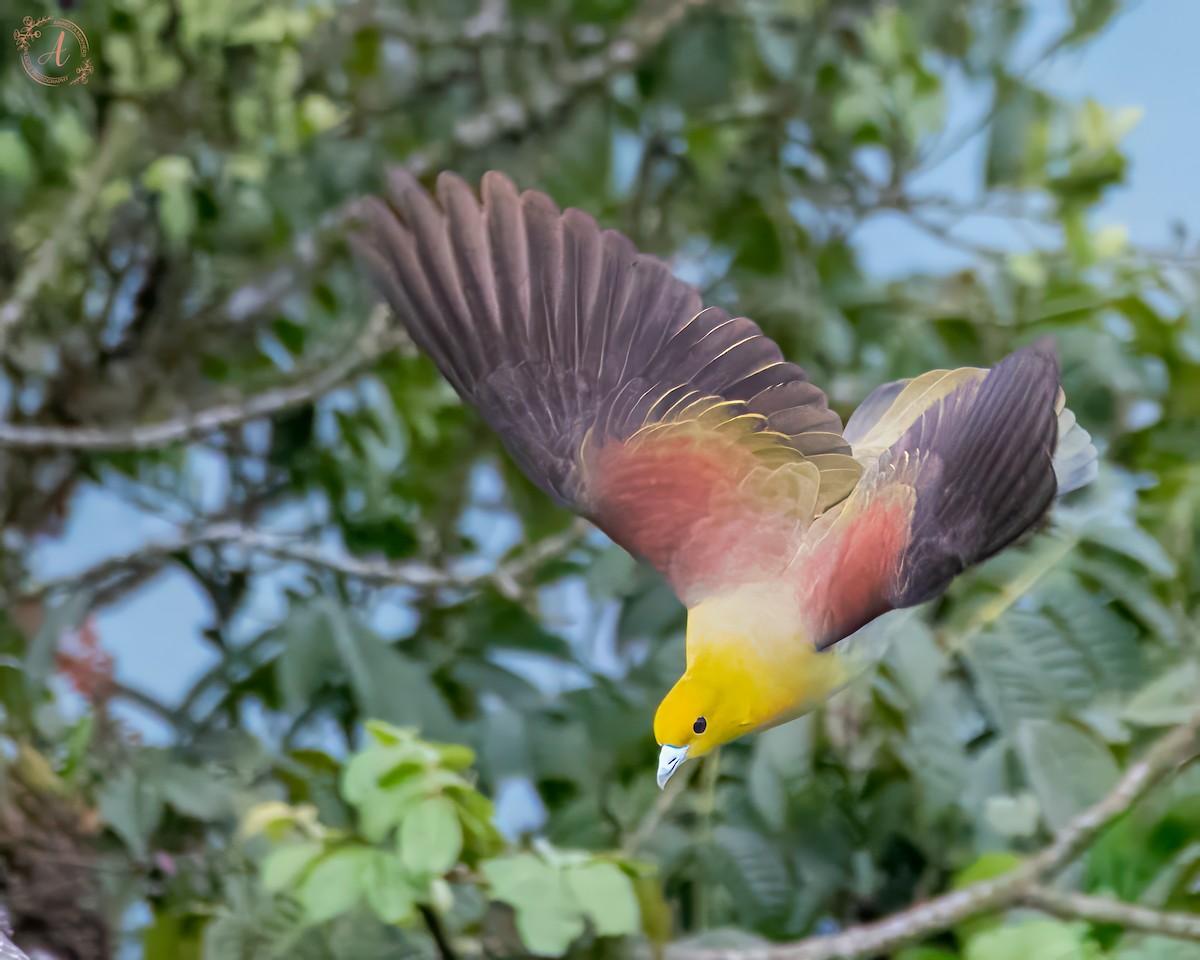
754,640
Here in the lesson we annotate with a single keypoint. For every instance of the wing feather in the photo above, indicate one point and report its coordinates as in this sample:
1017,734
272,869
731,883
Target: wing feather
565,337
969,468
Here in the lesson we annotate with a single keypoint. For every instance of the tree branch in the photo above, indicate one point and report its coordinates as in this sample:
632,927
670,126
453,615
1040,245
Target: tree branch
421,576
1011,889
1081,906
376,340
437,931
148,703
511,114
504,116
662,805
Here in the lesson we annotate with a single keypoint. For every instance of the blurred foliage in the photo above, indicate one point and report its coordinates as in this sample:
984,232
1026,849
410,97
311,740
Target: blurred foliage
418,818
171,240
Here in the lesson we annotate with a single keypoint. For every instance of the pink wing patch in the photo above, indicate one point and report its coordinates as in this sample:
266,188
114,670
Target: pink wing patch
696,505
850,574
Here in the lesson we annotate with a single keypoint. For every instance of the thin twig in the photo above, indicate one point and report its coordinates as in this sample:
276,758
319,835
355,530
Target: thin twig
1010,889
445,949
148,703
662,805
1131,916
377,340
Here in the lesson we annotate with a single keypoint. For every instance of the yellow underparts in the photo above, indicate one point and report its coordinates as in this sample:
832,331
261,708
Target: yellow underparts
749,648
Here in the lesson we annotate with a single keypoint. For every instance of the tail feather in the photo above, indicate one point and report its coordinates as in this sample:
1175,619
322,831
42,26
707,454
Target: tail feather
1075,457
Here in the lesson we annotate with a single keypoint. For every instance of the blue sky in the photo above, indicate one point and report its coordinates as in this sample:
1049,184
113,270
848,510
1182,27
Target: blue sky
1147,60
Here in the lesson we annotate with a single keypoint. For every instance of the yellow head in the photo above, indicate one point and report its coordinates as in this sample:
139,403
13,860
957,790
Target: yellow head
697,715
748,667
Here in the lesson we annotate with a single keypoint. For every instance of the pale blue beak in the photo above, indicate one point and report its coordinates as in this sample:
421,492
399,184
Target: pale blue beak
670,759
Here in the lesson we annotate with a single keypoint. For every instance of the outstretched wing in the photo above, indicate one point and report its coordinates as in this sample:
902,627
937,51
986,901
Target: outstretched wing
958,465
675,429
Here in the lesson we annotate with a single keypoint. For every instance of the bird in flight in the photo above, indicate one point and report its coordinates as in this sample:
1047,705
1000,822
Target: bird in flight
685,436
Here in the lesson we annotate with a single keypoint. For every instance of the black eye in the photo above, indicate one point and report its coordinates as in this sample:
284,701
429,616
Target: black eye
700,725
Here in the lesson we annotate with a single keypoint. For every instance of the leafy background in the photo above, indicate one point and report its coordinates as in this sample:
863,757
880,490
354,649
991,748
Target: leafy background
358,560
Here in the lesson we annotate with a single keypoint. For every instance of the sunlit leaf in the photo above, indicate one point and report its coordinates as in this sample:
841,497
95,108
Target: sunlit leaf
431,836
606,895
389,889
334,883
284,865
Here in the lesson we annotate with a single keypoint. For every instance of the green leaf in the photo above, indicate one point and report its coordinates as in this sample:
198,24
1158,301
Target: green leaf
78,741
1032,938
389,734
383,810
16,161
283,866
431,836
455,756
387,685
782,766
547,933
1134,542
334,884
194,791
1017,136
1140,947
757,873
1015,816
477,814
767,792
606,894
177,213
933,753
987,866
308,660
324,641
367,769
132,806
548,916
1044,664
1068,769
518,879
1166,701
496,622
1091,16
389,891
167,172
171,937
1135,592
